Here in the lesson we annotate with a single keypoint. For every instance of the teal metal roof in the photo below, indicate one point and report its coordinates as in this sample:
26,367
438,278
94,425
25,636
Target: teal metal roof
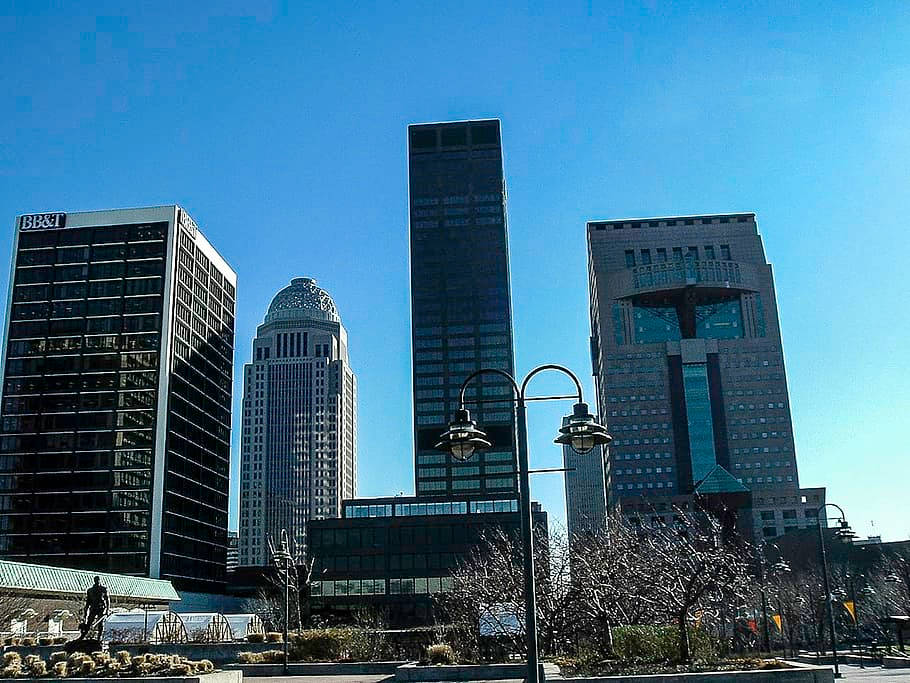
37,578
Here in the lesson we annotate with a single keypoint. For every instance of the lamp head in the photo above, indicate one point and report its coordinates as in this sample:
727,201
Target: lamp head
462,439
582,432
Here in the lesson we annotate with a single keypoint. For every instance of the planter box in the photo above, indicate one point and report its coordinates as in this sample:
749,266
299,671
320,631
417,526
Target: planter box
217,653
464,672
216,677
796,673
896,662
317,669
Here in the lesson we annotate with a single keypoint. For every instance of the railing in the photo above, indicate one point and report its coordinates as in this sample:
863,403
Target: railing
687,271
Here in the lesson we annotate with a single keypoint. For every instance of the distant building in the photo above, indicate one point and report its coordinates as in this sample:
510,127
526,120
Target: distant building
689,368
117,378
392,554
233,550
586,490
298,446
461,312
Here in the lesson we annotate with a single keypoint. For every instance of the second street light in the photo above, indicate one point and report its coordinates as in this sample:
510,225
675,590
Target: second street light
582,432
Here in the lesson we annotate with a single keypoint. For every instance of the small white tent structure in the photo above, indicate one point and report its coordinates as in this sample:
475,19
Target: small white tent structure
206,627
243,625
142,626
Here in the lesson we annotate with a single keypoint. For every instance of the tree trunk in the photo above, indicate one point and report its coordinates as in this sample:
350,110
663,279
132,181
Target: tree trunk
608,633
684,654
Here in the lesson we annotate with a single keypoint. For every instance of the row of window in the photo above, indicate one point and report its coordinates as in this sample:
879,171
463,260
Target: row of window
677,254
457,199
418,586
462,329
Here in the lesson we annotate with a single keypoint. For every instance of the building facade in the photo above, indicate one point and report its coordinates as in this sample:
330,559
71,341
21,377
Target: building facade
298,447
116,411
460,301
689,368
392,555
586,490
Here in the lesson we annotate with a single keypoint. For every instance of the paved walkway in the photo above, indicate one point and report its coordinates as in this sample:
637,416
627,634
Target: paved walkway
869,675
366,678
874,674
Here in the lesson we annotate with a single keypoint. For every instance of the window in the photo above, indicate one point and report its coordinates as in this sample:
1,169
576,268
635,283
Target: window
725,252
692,253
709,252
677,253
630,258
661,255
646,257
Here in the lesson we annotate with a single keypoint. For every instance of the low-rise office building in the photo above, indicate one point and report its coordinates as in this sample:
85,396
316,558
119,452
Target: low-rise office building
392,555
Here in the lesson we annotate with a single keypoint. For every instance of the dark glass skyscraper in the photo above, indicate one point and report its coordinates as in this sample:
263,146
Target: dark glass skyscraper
689,368
460,300
117,372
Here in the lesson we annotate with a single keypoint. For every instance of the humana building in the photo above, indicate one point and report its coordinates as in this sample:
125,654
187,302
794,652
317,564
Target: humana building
689,368
299,431
116,413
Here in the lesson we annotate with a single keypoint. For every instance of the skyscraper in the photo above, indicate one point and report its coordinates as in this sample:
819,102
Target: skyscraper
586,490
298,446
689,369
460,301
117,377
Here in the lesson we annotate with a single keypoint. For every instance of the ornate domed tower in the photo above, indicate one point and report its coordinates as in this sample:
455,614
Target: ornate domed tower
299,433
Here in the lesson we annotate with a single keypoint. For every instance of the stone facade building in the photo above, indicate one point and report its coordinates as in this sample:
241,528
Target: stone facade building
298,445
689,370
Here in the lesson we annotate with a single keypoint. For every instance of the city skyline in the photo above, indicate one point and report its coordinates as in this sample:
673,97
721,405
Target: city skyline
625,114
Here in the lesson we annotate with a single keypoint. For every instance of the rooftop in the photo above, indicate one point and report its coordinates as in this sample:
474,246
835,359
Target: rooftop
43,580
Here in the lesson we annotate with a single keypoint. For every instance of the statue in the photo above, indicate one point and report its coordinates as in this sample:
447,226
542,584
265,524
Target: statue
97,604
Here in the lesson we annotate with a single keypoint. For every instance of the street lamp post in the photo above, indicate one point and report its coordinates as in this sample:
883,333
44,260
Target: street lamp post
283,559
843,530
462,439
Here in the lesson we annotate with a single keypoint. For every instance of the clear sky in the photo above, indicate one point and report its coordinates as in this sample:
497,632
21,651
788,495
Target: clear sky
281,128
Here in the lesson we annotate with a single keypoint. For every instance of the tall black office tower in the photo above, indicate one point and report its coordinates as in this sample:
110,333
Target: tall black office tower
117,369
460,301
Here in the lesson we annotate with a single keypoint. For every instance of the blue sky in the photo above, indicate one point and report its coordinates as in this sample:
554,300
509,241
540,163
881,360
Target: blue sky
281,128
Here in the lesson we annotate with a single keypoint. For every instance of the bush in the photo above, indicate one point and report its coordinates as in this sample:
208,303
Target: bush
11,640
256,638
11,658
440,653
323,645
274,637
273,656
660,644
59,640
45,640
12,670
124,658
204,666
249,657
137,660
28,642
37,668
58,657
60,670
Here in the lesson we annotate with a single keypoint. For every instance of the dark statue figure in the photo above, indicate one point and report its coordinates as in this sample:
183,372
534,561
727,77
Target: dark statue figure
97,604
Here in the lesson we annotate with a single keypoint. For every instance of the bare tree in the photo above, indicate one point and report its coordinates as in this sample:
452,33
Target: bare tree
690,567
611,581
268,603
488,588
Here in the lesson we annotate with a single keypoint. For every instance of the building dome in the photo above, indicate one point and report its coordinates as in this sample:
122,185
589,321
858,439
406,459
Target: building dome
302,300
